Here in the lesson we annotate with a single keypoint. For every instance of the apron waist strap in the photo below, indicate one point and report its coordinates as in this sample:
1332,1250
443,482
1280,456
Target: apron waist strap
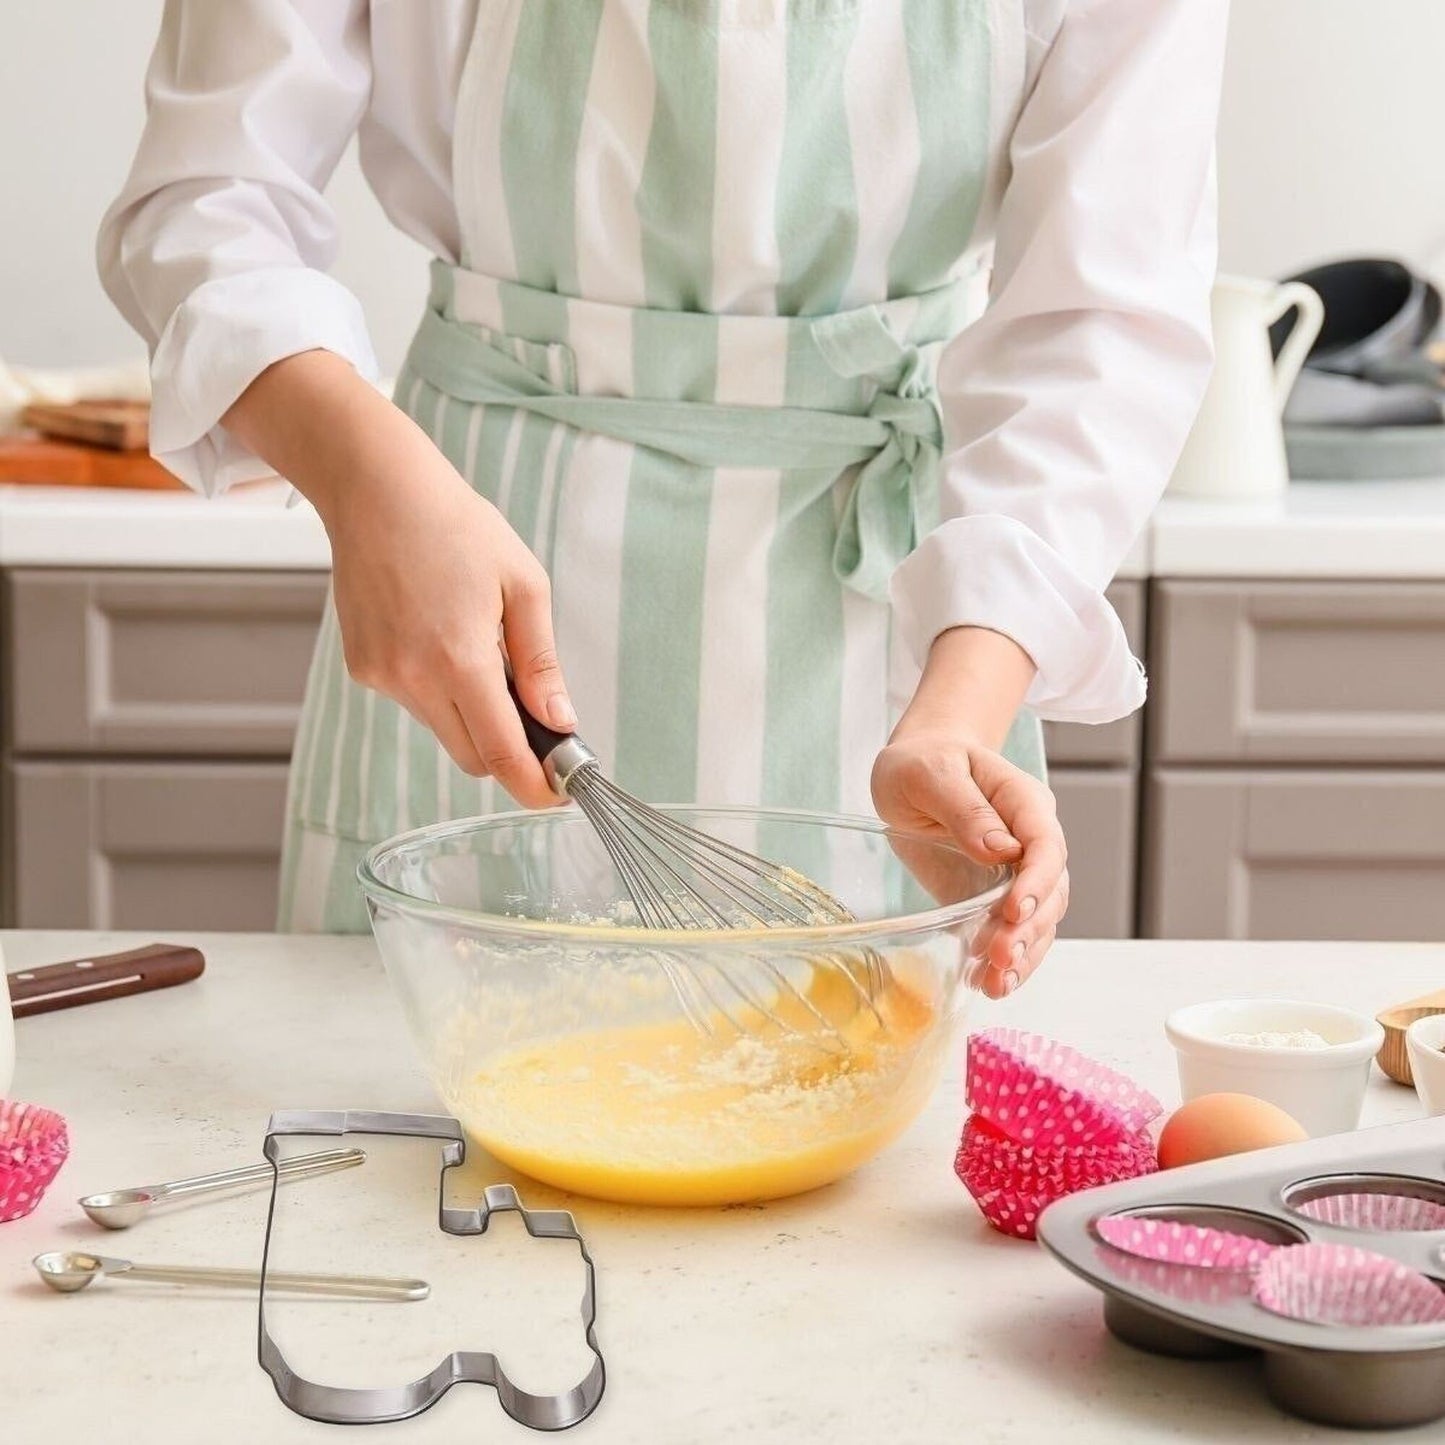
894,438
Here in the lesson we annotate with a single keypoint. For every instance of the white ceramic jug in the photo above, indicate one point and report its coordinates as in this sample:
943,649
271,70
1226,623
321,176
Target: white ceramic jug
7,1036
1236,448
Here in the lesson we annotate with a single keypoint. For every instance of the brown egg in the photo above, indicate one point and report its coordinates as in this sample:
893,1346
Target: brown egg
1214,1125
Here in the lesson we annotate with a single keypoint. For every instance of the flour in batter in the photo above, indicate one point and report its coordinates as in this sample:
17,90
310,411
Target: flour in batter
662,1114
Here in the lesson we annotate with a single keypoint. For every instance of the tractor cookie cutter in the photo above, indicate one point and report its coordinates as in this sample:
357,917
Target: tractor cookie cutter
348,1405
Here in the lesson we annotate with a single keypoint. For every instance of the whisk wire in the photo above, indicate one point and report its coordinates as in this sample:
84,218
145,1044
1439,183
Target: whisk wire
665,895
696,849
678,877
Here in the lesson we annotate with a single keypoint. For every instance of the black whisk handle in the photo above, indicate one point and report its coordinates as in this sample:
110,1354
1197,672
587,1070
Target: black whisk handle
540,738
562,755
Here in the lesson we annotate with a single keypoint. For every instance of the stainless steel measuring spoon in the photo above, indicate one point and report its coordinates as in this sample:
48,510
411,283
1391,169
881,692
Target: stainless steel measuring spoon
121,1208
70,1270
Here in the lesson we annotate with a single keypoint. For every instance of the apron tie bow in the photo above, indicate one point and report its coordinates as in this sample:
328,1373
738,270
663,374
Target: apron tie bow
892,501
892,445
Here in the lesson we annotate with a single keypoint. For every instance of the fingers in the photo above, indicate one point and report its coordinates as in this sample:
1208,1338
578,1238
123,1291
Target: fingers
532,648
929,789
491,721
975,825
472,739
1032,816
1007,953
451,732
441,661
1028,917
995,813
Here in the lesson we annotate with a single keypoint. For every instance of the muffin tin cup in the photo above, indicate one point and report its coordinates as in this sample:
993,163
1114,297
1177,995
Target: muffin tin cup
1342,1284
1175,1239
1370,1203
1355,1376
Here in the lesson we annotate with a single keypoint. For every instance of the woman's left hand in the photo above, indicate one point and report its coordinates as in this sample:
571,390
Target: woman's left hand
937,778
945,785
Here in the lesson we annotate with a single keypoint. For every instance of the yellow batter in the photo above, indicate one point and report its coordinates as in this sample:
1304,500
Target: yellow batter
660,1114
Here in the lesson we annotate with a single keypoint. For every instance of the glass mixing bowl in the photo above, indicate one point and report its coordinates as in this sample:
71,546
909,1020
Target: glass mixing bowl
666,1067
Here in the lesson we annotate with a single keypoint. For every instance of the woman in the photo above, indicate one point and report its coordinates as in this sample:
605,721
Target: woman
698,350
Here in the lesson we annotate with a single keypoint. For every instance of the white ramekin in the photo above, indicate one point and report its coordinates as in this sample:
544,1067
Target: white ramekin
1324,1089
1425,1043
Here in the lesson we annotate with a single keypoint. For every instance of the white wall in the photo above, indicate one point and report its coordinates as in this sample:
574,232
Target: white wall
1332,141
71,108
1332,136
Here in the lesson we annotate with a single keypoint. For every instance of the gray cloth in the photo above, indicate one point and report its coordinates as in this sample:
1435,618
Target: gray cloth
1321,398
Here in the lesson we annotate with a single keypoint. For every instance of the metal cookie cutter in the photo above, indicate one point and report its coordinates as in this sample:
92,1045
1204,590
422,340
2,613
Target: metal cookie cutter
344,1405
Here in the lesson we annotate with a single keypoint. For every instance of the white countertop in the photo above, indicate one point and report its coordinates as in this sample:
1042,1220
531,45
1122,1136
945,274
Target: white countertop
1393,530
1319,529
880,1309
251,527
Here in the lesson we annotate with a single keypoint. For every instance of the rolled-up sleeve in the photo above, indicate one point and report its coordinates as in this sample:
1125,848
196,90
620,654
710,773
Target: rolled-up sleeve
1066,405
217,249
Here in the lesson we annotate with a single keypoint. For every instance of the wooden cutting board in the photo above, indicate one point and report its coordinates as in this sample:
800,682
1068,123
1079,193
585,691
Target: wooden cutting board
123,426
42,462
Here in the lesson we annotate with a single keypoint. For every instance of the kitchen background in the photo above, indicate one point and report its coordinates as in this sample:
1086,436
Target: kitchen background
1289,776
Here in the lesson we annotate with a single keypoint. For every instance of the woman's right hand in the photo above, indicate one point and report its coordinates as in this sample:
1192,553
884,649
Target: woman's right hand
427,575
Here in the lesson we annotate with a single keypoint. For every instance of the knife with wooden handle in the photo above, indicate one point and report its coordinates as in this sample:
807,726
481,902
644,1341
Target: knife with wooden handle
111,975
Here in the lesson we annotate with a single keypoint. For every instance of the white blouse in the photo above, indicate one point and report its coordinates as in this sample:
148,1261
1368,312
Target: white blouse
1064,407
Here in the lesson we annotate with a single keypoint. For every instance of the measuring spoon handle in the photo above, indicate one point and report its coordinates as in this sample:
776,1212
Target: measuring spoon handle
301,1166
345,1286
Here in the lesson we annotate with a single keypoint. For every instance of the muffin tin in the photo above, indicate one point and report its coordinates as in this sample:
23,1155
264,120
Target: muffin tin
1338,1375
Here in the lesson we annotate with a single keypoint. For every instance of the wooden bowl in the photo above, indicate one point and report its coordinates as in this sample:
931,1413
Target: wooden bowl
1392,1057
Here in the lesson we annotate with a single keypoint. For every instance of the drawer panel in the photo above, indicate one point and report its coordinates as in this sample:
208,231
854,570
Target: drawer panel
1097,808
1259,854
1341,672
145,845
161,662
1069,744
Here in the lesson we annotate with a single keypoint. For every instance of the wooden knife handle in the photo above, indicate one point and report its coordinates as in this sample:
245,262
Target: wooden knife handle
110,975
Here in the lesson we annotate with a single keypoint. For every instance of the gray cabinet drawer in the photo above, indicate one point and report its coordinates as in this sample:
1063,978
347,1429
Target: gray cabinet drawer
159,662
1097,808
1068,744
1339,672
145,845
1347,854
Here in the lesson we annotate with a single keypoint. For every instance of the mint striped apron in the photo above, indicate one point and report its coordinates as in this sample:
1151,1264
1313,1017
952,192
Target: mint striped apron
711,250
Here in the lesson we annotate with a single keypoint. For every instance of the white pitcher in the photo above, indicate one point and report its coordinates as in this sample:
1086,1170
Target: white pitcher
1236,448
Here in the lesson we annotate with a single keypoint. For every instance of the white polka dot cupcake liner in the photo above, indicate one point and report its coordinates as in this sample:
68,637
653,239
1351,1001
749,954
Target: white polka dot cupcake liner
1013,1183
33,1145
1049,1096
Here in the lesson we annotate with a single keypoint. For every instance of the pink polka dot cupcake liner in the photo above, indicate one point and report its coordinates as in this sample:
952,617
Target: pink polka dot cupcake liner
1050,1096
1383,1213
33,1146
1171,1242
993,1150
1013,1183
1316,1283
1338,1284
1190,1286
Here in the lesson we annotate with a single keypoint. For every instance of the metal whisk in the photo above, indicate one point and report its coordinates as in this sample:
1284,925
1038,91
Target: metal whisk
678,877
